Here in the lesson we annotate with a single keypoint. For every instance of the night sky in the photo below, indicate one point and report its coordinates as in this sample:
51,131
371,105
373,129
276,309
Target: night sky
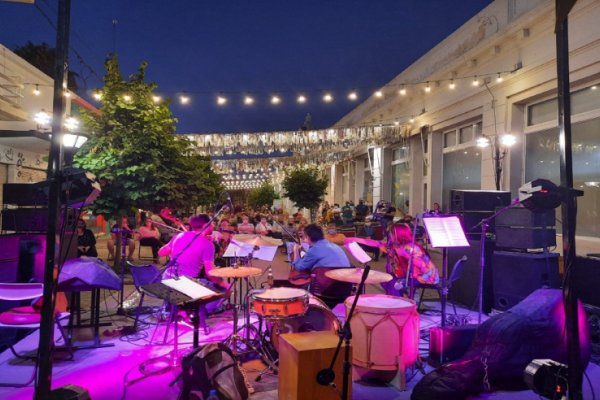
234,47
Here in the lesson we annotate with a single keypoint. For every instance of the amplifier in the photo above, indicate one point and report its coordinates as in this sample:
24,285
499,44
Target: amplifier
478,200
25,220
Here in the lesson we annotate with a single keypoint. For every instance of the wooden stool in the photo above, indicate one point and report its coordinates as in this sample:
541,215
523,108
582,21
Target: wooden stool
301,357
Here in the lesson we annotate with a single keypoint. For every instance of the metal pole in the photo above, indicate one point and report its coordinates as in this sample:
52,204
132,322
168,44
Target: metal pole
43,381
568,208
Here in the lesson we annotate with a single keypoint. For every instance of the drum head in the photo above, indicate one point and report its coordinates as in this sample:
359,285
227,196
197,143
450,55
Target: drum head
316,319
280,294
381,304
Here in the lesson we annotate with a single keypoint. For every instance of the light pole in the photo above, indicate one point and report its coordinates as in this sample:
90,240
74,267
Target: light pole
500,146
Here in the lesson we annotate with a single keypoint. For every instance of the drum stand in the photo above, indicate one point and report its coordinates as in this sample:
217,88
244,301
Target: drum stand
326,376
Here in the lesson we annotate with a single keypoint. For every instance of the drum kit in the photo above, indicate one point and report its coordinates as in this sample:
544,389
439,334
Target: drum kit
280,310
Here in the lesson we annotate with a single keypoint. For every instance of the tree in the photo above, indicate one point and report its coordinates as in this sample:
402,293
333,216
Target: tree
135,153
306,187
43,57
263,195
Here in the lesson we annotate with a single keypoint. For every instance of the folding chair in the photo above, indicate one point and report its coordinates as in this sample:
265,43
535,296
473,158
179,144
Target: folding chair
27,317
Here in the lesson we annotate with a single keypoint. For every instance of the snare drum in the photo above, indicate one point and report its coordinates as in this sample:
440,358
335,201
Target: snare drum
318,317
279,303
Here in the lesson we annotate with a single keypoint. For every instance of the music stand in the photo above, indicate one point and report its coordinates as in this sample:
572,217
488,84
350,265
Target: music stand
445,232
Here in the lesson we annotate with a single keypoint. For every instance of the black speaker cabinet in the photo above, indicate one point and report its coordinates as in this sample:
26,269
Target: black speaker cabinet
449,343
517,275
517,237
465,290
478,200
25,220
587,279
522,217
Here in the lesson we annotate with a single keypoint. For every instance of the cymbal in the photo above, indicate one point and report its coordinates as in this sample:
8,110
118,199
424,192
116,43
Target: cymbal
230,272
354,275
257,240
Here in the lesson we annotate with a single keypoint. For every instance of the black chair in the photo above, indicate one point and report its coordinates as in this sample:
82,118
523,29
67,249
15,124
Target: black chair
332,292
454,276
143,275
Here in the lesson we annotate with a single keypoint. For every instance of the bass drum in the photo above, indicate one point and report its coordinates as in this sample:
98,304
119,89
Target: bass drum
318,318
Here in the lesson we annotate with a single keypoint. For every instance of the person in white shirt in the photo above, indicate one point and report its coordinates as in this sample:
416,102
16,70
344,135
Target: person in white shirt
263,227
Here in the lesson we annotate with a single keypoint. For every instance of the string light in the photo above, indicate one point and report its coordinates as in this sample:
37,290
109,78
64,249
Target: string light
36,91
475,81
301,99
378,94
156,98
352,96
42,118
126,97
248,100
327,98
66,93
184,99
483,142
97,95
499,78
71,123
275,100
452,85
412,119
427,88
402,91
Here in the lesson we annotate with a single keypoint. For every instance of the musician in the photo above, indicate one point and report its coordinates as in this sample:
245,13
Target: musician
196,259
423,268
321,252
333,235
86,241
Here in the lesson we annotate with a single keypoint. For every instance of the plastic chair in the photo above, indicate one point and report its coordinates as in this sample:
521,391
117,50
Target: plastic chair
332,292
454,276
140,245
27,317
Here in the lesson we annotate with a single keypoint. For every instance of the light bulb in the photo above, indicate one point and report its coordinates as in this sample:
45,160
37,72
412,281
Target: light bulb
475,81
352,96
301,99
97,95
126,97
156,98
402,91
427,88
36,91
275,100
412,119
378,94
327,98
508,140
483,142
452,85
248,100
221,100
499,78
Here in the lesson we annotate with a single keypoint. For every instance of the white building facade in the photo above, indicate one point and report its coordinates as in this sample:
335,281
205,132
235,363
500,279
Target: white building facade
495,75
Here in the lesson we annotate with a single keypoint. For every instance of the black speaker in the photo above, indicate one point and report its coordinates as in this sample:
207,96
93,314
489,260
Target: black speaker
517,275
522,217
465,290
449,343
478,200
586,280
525,238
25,220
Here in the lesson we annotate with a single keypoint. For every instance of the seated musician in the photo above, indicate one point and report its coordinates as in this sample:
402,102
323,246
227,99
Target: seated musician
86,241
424,270
196,259
321,252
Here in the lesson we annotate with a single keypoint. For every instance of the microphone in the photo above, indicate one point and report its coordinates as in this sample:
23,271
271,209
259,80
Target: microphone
325,377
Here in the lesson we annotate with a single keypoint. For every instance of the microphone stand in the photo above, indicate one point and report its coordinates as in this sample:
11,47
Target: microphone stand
326,376
485,223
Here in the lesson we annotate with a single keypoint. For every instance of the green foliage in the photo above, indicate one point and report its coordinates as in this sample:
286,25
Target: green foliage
306,187
262,196
135,153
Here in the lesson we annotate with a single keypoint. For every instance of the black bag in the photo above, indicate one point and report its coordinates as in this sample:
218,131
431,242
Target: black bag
212,366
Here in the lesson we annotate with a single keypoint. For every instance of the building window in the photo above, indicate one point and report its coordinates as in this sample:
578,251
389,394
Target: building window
450,139
542,161
461,170
583,100
401,185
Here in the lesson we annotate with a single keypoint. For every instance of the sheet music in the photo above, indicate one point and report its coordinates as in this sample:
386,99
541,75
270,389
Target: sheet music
240,249
190,288
445,232
358,253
